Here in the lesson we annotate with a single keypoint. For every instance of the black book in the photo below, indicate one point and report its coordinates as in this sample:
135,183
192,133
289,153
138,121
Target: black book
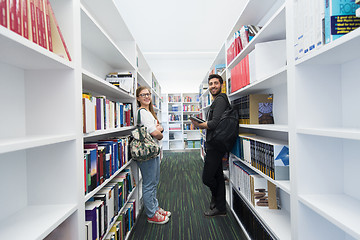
197,119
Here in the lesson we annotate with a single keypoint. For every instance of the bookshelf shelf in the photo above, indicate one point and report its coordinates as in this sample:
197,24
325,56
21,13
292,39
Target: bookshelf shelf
92,82
33,55
345,49
108,131
21,143
36,222
278,77
92,193
268,127
339,209
274,29
93,36
282,184
278,220
345,133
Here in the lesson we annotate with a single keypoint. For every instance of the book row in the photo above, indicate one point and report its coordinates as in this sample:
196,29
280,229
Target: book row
100,113
269,156
102,159
109,211
172,98
189,126
34,20
191,99
266,58
255,109
191,108
256,189
319,22
240,40
190,144
174,117
122,80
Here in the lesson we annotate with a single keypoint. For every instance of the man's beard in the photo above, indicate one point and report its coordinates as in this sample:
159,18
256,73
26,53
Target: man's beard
217,93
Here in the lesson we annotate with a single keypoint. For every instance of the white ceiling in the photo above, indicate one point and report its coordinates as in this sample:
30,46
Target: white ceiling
180,39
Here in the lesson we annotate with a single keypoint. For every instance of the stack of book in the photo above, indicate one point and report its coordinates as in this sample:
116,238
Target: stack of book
122,80
34,20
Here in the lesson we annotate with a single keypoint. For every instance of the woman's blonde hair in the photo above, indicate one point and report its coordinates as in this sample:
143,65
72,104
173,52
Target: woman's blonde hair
151,108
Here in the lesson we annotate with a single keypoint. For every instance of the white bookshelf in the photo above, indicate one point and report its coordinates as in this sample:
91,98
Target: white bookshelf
187,104
314,112
41,143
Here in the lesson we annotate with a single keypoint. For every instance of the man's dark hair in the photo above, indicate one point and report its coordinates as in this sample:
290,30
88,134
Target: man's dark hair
211,76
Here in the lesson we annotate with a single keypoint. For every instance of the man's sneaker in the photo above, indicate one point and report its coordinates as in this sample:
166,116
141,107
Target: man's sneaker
158,219
164,213
214,212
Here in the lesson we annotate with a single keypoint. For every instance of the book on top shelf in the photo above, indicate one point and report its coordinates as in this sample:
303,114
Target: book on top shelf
58,42
4,13
340,18
15,16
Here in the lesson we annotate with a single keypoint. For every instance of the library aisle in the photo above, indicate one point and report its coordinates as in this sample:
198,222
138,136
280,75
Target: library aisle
182,192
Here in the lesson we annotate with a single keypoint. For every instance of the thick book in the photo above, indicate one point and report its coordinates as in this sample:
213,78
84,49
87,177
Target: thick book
199,120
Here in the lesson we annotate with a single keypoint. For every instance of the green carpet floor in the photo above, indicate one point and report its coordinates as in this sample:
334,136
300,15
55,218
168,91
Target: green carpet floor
182,192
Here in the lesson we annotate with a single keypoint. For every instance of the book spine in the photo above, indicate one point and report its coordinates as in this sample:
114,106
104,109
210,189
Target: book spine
47,24
38,23
3,13
33,24
25,18
15,16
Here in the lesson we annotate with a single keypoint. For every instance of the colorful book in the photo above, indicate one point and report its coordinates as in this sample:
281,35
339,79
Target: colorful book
340,18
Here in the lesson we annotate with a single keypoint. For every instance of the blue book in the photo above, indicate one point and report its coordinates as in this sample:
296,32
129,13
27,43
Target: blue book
340,18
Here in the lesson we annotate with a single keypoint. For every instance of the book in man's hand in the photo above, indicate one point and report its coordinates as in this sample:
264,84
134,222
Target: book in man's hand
199,120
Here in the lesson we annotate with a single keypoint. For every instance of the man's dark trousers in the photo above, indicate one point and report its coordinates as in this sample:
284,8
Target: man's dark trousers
213,177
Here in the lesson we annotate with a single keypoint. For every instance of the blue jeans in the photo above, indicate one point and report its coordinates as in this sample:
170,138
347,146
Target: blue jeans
150,171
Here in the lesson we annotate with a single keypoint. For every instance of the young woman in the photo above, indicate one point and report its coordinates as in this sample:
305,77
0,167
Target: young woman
150,169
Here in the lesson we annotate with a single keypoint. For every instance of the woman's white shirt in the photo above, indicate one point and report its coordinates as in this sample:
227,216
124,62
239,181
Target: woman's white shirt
148,120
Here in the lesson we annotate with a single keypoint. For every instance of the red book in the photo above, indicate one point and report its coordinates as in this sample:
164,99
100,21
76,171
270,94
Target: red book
42,23
38,23
33,24
3,13
15,16
25,18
